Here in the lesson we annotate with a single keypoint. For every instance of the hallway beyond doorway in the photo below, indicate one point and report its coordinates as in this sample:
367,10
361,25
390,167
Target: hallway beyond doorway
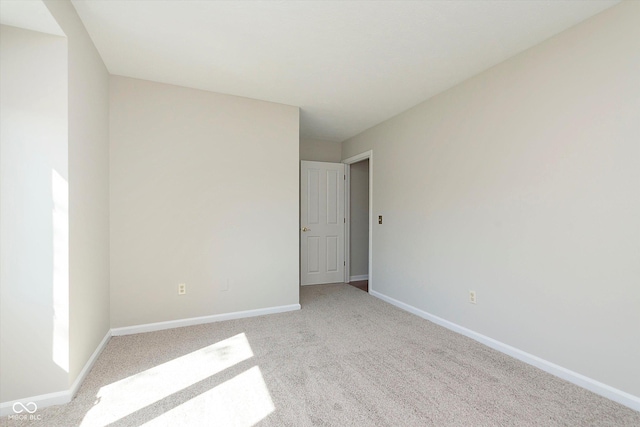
363,285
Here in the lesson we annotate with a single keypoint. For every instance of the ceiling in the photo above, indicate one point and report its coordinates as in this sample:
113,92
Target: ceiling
348,65
31,15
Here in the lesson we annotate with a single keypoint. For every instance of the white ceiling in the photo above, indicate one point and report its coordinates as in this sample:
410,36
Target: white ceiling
349,65
32,15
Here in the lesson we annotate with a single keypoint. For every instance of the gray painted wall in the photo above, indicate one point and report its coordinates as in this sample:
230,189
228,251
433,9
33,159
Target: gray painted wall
316,150
204,191
88,190
523,184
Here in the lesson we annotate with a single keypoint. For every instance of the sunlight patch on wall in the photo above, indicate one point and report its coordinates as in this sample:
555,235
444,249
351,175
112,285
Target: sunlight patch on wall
124,397
242,401
60,215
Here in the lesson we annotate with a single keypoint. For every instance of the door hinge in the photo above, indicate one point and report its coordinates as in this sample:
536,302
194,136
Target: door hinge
345,220
344,263
345,177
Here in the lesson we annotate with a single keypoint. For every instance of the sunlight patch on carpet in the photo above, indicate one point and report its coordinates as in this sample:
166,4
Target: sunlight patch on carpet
242,401
131,394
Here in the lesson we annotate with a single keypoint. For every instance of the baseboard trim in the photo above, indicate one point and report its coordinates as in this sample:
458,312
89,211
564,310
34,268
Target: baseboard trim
58,397
360,277
65,396
87,366
159,326
43,400
590,384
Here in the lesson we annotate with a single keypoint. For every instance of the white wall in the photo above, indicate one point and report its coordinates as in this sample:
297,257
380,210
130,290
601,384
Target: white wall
55,216
359,219
204,190
88,189
33,163
523,184
320,151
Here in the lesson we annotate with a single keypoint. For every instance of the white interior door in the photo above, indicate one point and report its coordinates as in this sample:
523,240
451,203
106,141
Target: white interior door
321,222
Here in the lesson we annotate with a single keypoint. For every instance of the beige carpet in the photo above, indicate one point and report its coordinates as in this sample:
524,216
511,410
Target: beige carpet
345,359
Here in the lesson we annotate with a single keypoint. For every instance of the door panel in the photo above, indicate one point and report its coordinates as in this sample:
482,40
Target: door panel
313,199
332,253
313,255
321,222
332,192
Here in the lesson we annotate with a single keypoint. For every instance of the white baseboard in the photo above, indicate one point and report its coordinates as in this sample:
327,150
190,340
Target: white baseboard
149,327
58,397
590,384
87,366
65,396
357,278
43,400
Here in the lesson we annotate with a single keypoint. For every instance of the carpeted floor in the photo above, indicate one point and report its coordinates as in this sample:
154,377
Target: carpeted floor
345,359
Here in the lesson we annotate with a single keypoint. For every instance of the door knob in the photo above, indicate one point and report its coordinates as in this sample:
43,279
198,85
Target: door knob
306,229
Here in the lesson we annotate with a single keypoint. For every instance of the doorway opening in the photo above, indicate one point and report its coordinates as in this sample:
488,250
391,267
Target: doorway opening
358,236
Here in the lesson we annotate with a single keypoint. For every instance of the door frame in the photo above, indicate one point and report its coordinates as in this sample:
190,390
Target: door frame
347,207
